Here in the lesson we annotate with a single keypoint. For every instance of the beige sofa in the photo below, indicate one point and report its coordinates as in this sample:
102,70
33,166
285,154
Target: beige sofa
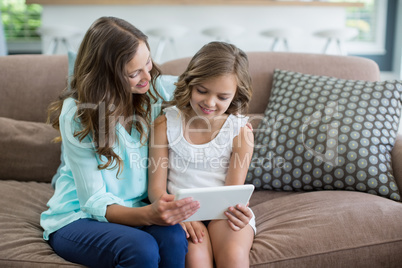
295,229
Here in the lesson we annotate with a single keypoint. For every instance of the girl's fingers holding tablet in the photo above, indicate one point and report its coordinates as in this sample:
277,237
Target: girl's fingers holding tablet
238,216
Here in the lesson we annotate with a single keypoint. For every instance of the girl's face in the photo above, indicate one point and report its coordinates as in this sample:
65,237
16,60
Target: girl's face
213,97
138,70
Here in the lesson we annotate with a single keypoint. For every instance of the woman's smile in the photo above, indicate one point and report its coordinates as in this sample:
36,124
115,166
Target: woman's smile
143,84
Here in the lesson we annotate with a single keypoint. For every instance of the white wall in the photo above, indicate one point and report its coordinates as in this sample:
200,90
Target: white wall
253,18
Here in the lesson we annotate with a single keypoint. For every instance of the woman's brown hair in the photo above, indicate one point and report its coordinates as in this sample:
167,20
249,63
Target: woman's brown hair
100,80
212,60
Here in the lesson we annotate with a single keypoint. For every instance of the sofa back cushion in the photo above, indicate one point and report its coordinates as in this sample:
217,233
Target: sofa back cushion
29,83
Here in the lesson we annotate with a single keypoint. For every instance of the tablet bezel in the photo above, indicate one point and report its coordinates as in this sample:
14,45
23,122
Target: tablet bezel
214,201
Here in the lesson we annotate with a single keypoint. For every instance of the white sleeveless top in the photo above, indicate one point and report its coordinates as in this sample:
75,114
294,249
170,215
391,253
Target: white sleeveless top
199,165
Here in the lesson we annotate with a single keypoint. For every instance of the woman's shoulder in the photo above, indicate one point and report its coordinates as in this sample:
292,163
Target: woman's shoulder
165,85
69,107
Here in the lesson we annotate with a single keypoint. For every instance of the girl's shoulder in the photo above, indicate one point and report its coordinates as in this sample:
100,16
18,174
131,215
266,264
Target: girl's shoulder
160,120
237,120
172,113
159,125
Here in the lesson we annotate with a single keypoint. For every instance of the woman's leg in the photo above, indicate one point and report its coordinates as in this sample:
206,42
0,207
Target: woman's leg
172,243
231,248
100,244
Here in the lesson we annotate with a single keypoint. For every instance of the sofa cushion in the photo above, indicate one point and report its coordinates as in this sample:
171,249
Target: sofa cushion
22,244
321,132
326,229
27,151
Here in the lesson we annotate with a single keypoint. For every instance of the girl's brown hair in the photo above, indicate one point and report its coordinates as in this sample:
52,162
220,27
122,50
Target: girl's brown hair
213,60
100,82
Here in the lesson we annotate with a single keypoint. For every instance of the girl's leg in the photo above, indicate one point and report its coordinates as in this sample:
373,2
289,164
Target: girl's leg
100,244
231,248
172,243
200,255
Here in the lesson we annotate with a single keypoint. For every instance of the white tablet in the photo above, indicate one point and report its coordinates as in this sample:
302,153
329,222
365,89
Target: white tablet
214,201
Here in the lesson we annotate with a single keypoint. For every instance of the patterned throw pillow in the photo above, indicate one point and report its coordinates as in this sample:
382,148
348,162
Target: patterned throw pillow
324,133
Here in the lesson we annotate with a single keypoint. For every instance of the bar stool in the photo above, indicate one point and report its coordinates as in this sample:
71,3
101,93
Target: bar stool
224,32
281,35
58,35
339,35
166,35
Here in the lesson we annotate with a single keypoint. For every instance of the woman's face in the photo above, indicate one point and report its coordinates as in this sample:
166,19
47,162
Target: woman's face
138,70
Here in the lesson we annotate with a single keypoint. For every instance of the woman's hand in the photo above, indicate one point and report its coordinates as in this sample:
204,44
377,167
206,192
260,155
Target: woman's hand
238,217
167,211
194,230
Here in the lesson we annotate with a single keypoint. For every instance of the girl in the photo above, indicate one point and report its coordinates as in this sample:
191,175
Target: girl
96,216
200,141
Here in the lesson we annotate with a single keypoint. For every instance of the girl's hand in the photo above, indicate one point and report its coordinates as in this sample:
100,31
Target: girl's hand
166,211
238,217
194,230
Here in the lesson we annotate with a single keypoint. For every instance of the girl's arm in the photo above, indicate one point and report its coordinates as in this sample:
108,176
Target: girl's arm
243,145
158,159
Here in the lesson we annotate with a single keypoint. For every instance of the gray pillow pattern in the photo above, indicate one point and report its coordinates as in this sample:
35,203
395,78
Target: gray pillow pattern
324,133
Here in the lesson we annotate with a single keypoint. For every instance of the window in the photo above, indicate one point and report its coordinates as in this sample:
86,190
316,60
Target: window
20,22
371,22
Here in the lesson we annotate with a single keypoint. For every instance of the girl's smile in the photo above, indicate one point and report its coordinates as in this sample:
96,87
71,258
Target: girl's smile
206,111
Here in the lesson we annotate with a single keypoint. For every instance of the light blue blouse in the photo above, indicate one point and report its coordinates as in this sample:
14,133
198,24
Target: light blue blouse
84,191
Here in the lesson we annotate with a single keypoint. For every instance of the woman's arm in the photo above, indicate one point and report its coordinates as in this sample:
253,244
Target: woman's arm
82,160
163,211
91,189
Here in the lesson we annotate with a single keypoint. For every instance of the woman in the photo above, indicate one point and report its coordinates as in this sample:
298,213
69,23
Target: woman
97,216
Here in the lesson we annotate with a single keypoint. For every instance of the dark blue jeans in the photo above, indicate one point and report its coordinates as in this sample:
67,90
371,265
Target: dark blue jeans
100,244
